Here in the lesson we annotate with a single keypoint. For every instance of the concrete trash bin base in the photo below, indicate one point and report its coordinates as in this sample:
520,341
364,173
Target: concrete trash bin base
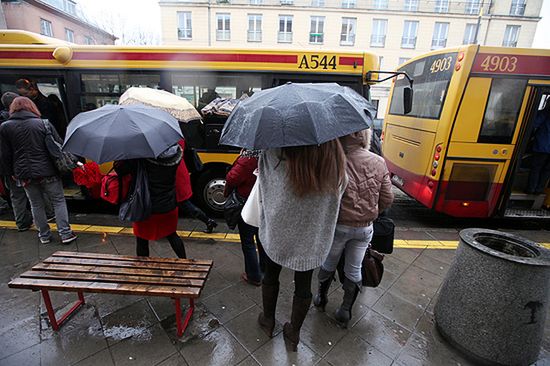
493,302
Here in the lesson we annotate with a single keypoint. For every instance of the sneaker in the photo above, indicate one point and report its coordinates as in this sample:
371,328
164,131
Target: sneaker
69,239
46,240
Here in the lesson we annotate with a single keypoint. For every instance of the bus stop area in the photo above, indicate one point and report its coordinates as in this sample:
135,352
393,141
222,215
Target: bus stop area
391,324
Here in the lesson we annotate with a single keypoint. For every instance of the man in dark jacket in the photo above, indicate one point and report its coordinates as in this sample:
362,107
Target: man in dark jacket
540,172
50,107
7,98
23,147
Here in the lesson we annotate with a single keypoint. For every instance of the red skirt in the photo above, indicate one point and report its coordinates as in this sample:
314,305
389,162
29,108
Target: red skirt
157,226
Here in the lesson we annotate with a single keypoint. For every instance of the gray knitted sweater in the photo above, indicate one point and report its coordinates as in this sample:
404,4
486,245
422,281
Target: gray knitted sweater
296,232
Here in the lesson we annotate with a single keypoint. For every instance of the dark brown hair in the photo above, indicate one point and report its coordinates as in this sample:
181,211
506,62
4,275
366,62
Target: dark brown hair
316,168
24,104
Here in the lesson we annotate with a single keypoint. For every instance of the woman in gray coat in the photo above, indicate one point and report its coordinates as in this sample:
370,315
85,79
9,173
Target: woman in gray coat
299,192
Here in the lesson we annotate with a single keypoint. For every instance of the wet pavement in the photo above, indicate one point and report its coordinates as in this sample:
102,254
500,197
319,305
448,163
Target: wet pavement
392,324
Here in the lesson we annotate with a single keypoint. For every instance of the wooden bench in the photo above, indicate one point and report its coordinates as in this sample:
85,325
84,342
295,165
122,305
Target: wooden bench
117,274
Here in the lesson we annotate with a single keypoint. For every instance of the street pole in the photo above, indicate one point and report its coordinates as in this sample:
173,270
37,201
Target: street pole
478,23
209,25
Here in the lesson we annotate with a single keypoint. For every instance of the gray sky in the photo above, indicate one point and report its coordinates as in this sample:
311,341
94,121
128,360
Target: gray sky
131,16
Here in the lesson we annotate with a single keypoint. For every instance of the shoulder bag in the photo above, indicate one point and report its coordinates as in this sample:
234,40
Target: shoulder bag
114,188
63,161
383,234
251,209
138,206
232,209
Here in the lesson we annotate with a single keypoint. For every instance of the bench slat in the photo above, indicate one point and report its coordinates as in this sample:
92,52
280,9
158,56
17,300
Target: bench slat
102,287
122,271
127,264
114,278
131,258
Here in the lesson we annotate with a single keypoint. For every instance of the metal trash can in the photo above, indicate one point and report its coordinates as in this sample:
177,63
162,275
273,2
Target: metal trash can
493,302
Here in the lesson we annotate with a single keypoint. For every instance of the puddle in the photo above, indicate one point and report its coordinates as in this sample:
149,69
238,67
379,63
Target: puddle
120,332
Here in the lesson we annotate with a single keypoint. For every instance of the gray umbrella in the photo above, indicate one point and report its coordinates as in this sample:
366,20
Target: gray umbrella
115,132
295,115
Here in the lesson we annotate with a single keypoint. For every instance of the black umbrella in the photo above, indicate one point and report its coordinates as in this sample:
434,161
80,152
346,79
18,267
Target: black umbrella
115,132
296,115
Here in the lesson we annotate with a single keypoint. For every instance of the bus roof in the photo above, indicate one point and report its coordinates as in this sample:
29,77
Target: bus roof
43,52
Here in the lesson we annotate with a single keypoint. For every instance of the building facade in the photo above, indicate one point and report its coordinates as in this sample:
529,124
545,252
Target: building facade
53,18
396,30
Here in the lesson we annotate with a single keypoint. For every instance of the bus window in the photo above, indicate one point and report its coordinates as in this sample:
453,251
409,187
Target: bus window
431,79
106,88
501,113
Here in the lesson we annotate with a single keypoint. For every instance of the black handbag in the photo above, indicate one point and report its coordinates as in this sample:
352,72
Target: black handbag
63,161
138,206
232,209
383,235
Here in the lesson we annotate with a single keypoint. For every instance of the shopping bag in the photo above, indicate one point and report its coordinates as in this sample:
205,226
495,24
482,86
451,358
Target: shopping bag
251,209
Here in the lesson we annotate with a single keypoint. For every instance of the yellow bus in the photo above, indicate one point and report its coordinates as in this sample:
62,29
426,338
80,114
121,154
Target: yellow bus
464,148
86,77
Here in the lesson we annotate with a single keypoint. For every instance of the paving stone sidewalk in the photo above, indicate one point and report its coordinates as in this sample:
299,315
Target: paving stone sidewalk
392,324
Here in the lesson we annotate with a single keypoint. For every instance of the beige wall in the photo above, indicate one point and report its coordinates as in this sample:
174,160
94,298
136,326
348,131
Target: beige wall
31,22
491,31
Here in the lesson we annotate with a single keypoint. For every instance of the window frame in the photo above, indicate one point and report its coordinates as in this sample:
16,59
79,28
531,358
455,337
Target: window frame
254,35
71,33
351,26
375,37
224,34
517,8
508,41
472,7
46,28
349,4
441,6
380,4
410,5
187,18
438,43
319,19
282,35
473,27
318,3
408,35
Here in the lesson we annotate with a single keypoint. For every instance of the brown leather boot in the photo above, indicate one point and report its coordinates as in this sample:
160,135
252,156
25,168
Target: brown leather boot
270,293
291,331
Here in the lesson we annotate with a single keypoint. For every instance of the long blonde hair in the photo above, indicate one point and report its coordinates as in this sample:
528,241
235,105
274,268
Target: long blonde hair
316,168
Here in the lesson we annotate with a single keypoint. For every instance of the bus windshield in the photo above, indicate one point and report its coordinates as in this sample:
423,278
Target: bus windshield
431,77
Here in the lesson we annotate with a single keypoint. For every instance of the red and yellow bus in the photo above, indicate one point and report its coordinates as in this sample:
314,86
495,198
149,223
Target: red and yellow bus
87,77
464,149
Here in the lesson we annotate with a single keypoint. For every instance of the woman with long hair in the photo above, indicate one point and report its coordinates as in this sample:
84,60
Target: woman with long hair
368,193
299,192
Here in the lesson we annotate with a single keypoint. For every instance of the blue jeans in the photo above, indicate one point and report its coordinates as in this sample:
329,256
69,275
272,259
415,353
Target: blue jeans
252,266
52,188
354,241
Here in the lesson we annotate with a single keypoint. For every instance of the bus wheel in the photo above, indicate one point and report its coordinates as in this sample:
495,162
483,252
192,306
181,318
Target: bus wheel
209,193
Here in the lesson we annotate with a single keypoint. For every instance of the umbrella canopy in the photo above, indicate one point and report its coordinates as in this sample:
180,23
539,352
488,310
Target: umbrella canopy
115,132
177,106
296,115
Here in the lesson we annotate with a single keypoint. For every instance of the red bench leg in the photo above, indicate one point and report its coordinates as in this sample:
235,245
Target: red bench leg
181,327
51,313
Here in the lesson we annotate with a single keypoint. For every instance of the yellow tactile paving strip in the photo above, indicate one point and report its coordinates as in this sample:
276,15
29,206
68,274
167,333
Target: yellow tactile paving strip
231,237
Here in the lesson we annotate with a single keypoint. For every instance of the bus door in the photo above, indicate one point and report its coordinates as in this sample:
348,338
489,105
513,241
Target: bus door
518,200
482,146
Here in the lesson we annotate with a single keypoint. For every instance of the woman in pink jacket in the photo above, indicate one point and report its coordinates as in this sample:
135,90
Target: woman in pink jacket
367,194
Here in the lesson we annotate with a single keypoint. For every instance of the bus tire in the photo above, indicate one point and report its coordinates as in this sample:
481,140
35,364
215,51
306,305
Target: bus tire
208,192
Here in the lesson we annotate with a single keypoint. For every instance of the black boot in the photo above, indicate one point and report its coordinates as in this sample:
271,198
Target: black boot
325,279
210,225
291,331
351,290
270,293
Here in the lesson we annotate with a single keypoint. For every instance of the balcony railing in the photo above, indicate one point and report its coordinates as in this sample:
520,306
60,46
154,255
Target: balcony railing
347,39
517,9
184,33
408,42
510,43
284,37
348,4
438,43
287,2
377,40
411,6
254,36
223,35
316,38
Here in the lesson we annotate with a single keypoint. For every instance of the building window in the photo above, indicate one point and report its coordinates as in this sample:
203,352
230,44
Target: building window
223,30
184,25
287,2
380,4
439,39
69,35
46,27
411,5
318,3
316,32
409,34
518,7
470,34
256,2
88,40
70,7
511,35
472,7
441,6
285,29
348,4
347,37
254,28
378,36
402,60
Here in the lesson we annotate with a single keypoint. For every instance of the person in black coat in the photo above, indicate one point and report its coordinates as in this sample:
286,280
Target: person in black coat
27,160
161,182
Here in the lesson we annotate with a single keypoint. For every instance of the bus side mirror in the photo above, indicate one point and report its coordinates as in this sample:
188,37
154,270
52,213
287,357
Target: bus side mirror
407,100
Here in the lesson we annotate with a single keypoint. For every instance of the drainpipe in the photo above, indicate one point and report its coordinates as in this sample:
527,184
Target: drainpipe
209,24
490,16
